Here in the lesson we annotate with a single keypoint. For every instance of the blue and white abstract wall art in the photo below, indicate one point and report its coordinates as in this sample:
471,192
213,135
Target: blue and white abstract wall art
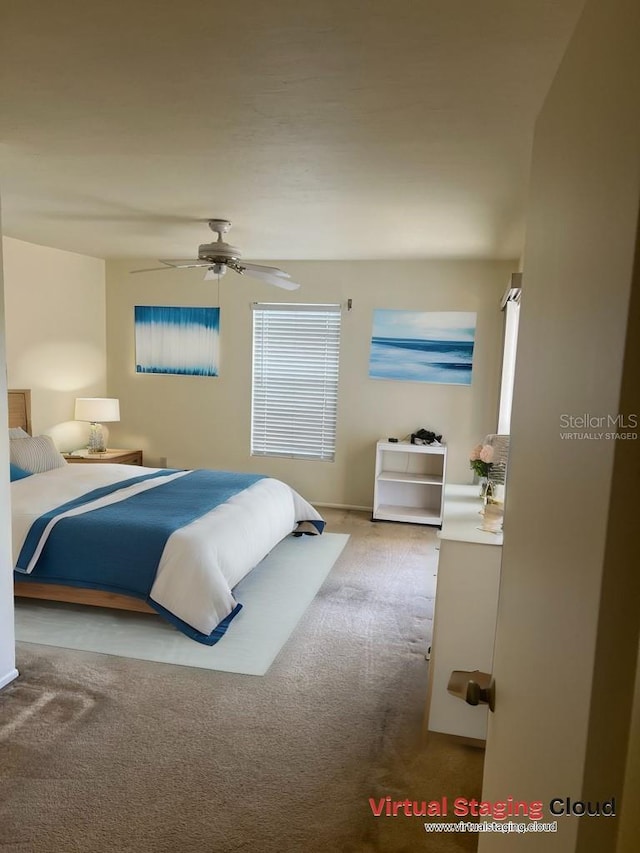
423,346
177,340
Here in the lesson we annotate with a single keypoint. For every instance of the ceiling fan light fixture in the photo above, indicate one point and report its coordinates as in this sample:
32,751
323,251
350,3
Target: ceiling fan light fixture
215,271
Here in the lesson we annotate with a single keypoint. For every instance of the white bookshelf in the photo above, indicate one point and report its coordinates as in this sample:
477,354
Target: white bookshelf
409,482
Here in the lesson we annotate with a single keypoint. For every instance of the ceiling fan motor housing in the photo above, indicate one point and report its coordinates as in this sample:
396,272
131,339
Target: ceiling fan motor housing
218,252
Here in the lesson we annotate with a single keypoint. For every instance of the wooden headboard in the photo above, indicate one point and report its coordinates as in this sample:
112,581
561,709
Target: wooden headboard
20,409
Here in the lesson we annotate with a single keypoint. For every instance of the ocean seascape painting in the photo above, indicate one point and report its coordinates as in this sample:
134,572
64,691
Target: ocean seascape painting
423,346
177,340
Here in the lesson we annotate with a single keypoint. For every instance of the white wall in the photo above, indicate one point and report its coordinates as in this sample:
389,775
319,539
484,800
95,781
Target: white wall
205,422
55,333
566,642
7,645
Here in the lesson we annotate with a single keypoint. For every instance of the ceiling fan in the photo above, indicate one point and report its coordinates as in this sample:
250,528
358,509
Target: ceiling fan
219,256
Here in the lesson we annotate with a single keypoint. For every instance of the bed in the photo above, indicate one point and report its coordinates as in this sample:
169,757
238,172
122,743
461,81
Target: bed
167,541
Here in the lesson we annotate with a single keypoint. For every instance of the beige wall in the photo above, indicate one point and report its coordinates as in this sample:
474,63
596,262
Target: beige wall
568,597
56,333
205,422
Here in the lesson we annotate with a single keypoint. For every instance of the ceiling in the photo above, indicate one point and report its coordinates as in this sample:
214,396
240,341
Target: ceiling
322,129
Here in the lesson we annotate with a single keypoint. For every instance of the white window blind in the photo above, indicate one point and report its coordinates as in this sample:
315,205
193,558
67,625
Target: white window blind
296,349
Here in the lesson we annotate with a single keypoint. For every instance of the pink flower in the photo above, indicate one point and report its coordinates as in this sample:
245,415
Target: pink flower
475,453
486,453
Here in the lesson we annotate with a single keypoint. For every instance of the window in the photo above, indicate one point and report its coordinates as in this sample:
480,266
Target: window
296,350
511,308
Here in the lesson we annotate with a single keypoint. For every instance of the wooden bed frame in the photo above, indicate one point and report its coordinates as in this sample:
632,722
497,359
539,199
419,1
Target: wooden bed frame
20,416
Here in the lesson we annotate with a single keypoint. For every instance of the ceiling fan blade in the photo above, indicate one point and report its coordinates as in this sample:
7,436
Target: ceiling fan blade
151,269
182,263
284,283
271,278
258,267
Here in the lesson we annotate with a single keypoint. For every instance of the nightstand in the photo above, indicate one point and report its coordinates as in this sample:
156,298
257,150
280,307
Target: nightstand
120,457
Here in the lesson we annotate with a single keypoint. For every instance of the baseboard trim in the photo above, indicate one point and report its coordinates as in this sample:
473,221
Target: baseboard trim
345,506
8,678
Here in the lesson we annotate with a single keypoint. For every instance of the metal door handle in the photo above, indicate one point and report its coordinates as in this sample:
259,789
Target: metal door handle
475,687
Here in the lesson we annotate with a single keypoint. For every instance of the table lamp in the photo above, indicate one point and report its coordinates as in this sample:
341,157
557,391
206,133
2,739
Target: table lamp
97,410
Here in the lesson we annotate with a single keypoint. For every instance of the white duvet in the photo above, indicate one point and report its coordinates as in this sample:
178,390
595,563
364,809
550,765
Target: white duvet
202,561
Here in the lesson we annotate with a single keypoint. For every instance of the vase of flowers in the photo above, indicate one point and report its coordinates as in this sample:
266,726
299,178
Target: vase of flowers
481,461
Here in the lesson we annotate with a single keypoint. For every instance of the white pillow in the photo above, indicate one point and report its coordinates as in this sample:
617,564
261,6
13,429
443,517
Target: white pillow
36,454
18,432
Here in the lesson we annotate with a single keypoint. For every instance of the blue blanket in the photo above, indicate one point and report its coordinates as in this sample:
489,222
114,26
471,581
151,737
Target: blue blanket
118,547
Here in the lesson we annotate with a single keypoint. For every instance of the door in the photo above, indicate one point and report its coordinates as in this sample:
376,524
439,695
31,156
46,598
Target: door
567,629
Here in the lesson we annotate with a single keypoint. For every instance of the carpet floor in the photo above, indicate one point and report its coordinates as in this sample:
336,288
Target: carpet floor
100,753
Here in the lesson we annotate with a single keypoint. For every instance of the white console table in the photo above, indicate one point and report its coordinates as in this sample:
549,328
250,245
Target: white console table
465,612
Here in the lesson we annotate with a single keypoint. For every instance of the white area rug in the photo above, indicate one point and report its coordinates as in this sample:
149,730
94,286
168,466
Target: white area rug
274,597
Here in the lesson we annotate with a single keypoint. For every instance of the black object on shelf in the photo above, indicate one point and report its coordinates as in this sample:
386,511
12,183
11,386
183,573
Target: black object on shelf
424,436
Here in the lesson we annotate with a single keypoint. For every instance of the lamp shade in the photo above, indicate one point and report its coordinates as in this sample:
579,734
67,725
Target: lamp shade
97,409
